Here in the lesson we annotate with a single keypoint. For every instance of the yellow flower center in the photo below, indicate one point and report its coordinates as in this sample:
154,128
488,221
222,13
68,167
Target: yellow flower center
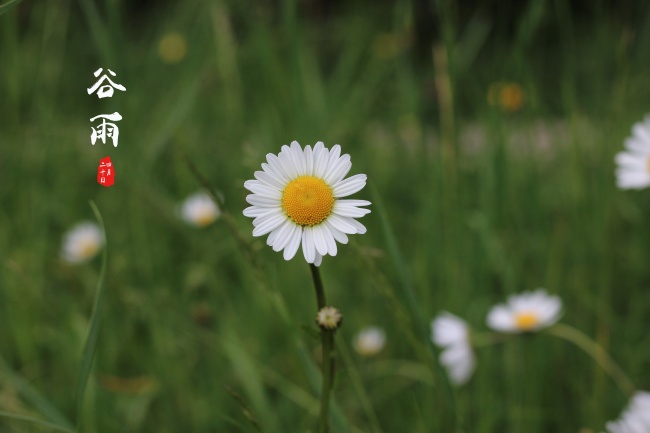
204,218
526,321
307,200
88,248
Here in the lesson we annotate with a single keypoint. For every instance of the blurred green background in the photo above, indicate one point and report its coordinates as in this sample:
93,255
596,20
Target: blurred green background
487,130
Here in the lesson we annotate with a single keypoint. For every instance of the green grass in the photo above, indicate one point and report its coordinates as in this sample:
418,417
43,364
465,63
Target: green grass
509,202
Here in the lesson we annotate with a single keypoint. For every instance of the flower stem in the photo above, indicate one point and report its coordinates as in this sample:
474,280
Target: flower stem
327,344
599,355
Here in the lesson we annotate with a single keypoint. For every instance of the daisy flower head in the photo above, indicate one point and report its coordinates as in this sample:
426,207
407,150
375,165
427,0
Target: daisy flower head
329,318
635,418
451,333
199,210
370,341
82,242
297,200
633,171
525,312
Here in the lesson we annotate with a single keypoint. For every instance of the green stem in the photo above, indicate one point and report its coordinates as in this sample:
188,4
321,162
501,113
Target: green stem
321,302
327,343
599,355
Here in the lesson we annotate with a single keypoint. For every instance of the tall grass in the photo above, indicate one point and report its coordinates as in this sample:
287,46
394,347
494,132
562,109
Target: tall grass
193,339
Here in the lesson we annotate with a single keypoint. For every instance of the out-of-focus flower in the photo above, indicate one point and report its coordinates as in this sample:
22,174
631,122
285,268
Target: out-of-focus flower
633,170
526,312
507,96
199,210
82,242
370,341
451,333
329,318
297,199
635,418
172,48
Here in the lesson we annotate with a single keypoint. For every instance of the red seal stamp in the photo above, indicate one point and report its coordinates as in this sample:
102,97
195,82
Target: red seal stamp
106,172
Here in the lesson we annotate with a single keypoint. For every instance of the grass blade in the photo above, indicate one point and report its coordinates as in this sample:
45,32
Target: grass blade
91,340
6,7
33,420
35,398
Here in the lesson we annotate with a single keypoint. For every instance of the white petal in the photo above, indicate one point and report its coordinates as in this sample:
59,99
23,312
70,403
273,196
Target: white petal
361,229
630,180
626,159
339,236
298,158
642,132
501,319
460,362
637,146
277,167
254,211
319,240
342,224
257,200
258,188
350,185
335,152
271,213
294,243
269,179
287,162
349,211
308,247
272,236
353,202
318,260
283,235
268,225
309,161
329,239
448,329
338,172
321,158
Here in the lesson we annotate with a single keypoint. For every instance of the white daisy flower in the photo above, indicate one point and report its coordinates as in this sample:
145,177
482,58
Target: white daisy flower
370,341
635,418
633,170
451,333
82,242
297,200
199,210
526,312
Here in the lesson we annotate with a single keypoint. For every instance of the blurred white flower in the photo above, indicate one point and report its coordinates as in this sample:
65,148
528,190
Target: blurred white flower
635,418
370,341
199,210
633,170
82,242
451,333
329,318
526,312
297,199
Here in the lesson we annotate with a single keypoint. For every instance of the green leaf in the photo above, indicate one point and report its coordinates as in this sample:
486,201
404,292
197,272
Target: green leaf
33,420
6,7
91,340
35,399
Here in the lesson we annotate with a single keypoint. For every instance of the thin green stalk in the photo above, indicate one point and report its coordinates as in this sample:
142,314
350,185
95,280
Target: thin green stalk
90,345
30,419
599,355
321,301
327,343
